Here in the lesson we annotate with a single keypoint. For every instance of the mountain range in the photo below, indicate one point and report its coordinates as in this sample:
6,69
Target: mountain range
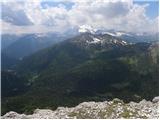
19,46
15,47
91,65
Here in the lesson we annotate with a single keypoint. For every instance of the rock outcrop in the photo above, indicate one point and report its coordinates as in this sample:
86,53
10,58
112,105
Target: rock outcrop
107,109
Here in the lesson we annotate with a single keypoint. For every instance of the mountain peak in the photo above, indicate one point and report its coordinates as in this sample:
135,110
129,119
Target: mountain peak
87,28
94,40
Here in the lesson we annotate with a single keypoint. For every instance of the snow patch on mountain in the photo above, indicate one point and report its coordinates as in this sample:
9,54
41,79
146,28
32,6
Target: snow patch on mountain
95,40
120,33
124,42
117,34
109,33
115,41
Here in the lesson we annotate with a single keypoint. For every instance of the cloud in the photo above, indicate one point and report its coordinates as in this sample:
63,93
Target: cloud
32,17
14,15
8,28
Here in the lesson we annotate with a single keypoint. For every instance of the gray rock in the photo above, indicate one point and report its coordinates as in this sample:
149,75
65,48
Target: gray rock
155,99
13,115
96,110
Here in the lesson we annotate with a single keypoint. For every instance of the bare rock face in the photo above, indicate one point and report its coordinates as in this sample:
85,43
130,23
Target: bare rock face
155,100
96,110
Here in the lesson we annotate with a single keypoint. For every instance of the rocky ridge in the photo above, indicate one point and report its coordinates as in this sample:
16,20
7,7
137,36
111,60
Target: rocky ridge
95,110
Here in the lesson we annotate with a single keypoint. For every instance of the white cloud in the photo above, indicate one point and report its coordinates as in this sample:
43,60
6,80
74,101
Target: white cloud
106,14
14,13
8,28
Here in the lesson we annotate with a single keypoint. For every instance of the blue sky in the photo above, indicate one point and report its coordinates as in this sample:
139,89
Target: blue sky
64,15
152,10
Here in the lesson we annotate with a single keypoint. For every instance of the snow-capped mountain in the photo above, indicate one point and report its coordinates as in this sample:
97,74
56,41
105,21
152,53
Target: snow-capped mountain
87,28
98,41
92,36
103,39
127,36
92,30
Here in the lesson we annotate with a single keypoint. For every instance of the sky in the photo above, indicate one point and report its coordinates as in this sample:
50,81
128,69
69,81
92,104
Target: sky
152,9
43,16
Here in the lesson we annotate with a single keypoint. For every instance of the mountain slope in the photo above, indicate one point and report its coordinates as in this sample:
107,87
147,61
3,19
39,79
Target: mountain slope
74,50
7,40
15,48
12,84
7,62
83,68
29,44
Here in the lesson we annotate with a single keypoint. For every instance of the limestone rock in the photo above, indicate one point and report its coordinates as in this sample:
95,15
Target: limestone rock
96,110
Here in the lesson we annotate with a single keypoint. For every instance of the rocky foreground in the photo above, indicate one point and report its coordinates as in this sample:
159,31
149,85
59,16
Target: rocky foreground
107,109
